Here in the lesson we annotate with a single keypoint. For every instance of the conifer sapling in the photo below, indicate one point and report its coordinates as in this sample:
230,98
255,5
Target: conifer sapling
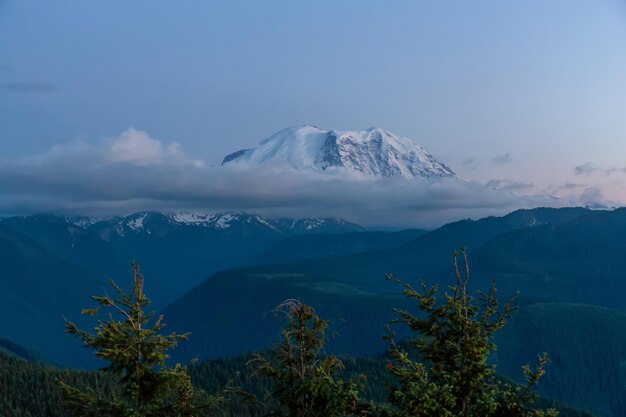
132,343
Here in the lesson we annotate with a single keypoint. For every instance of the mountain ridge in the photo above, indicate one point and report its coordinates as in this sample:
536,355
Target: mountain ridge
140,221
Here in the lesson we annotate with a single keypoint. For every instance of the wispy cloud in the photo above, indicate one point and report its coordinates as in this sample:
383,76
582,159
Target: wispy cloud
586,169
566,186
26,87
469,161
472,163
475,163
509,185
502,159
591,168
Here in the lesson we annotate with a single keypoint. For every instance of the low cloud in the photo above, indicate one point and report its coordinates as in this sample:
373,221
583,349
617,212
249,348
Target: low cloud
509,185
137,172
592,195
578,194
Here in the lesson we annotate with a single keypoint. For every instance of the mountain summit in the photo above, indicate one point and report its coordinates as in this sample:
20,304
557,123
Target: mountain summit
372,152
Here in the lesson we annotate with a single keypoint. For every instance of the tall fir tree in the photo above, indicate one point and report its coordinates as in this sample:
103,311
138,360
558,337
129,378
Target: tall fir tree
304,381
449,375
131,341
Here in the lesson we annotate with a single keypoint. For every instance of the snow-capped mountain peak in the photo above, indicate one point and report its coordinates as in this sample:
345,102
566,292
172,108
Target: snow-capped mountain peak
372,152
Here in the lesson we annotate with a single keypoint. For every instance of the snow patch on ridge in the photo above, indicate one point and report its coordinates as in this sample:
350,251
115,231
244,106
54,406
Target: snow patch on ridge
191,218
137,222
223,221
82,221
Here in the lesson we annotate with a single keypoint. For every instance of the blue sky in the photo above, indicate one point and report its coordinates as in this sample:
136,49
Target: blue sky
499,90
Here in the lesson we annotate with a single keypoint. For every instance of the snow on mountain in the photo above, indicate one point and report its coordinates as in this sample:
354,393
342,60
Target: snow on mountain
224,221
83,222
136,223
328,225
190,218
217,221
159,223
372,152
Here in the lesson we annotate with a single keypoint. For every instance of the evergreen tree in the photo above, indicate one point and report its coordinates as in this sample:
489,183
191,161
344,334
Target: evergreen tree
453,342
133,344
304,382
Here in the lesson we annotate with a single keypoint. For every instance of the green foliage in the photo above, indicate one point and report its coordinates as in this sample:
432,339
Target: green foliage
305,383
136,351
454,341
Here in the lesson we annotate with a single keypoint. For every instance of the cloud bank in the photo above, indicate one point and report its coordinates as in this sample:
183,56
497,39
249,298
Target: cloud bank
136,172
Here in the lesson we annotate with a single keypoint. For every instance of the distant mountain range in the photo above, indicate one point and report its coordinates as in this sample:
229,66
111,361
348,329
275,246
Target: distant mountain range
373,153
154,222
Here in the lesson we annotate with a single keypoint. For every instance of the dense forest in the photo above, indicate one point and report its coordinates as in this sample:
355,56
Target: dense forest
30,389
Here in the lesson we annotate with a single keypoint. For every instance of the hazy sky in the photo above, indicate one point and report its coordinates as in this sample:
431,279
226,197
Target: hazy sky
531,92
